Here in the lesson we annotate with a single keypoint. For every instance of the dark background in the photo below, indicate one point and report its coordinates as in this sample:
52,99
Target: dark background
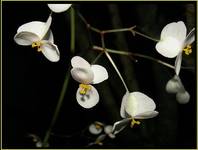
32,84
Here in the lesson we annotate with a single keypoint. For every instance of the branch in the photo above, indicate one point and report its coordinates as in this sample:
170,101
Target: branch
97,48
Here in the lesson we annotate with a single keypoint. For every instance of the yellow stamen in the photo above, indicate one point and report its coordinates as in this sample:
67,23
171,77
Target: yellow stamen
98,125
188,49
98,142
38,45
133,122
84,88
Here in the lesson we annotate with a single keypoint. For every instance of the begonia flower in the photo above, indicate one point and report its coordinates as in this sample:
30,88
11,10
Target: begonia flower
96,128
172,43
58,8
108,129
38,34
87,96
135,105
173,40
174,85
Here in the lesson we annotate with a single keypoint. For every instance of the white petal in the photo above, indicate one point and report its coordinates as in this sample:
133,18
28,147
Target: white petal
120,125
46,27
112,136
123,113
100,74
190,37
58,8
94,130
35,27
183,97
50,51
39,144
146,115
175,30
138,103
173,85
79,62
178,61
182,89
108,129
49,36
99,139
82,75
170,47
25,38
89,100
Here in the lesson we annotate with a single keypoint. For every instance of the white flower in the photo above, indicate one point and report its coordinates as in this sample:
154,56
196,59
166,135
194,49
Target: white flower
175,85
138,106
173,39
38,35
96,128
58,8
135,105
86,74
108,129
183,97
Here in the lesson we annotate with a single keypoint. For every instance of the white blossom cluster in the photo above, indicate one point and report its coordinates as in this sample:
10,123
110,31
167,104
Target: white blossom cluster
135,105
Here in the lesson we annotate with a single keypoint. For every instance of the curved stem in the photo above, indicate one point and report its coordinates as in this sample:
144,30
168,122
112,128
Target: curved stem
96,59
65,84
57,110
72,44
116,69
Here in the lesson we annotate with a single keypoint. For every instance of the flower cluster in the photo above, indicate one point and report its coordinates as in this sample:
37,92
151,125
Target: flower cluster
173,41
38,34
136,105
97,128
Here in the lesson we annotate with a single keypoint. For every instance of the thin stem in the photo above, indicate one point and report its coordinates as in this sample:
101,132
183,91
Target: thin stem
143,35
154,59
102,40
57,110
82,18
94,29
111,60
65,84
119,30
51,12
72,44
96,59
116,30
116,69
138,55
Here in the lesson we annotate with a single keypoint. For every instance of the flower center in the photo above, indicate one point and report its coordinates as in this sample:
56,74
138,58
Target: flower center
188,49
98,125
133,122
84,88
37,44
